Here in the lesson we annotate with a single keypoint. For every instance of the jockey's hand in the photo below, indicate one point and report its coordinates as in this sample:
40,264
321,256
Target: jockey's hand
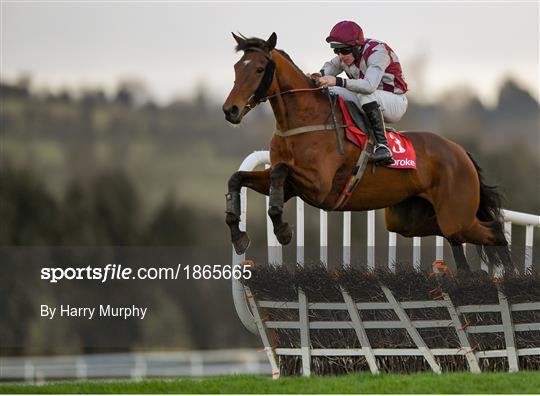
327,81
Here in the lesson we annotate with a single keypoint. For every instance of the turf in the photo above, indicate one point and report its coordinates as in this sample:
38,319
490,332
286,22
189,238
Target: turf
522,382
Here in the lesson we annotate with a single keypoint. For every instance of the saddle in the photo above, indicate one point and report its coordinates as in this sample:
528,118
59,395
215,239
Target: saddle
355,131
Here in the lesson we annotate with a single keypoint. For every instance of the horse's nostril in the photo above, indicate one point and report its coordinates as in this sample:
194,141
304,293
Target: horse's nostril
234,110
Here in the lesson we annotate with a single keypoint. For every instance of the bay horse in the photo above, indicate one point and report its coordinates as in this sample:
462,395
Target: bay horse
445,195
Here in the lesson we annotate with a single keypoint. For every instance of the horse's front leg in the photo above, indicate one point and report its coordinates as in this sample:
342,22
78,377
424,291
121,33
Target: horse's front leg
282,230
256,180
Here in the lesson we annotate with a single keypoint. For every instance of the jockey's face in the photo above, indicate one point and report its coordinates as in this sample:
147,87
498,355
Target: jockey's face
348,59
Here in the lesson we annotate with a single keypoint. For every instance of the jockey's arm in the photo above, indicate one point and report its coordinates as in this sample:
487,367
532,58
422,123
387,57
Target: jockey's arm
332,67
377,64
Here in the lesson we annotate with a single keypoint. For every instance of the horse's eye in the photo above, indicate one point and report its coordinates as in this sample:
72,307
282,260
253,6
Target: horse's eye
260,70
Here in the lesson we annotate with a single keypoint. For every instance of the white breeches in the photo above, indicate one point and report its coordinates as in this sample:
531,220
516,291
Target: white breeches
393,106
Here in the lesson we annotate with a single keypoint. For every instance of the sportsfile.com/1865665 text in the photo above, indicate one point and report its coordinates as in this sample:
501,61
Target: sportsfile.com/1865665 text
121,272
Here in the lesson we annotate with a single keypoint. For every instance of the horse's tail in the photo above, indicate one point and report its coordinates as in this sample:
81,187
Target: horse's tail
489,212
490,198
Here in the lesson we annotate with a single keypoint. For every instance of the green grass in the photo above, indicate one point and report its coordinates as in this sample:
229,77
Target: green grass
522,382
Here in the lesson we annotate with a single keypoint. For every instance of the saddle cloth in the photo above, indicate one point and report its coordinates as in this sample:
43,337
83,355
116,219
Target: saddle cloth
402,148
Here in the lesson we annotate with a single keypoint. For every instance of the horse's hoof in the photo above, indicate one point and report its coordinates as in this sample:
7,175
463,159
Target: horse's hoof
284,234
242,243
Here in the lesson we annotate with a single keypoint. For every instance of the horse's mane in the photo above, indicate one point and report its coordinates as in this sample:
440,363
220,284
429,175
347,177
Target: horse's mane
254,42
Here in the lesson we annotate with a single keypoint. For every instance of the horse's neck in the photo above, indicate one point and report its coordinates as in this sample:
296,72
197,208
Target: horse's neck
298,109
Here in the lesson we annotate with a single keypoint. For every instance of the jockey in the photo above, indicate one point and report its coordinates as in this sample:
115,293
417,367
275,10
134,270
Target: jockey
375,81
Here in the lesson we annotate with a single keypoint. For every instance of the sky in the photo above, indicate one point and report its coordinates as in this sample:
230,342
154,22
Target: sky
174,47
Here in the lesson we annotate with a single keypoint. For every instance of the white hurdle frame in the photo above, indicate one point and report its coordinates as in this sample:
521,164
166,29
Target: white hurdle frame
247,307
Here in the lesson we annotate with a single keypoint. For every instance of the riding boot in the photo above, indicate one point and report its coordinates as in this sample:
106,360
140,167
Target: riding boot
382,154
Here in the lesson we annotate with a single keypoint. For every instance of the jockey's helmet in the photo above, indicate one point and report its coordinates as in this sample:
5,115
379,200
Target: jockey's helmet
346,34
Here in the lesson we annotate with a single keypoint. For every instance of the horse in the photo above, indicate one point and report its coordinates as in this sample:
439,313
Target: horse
446,195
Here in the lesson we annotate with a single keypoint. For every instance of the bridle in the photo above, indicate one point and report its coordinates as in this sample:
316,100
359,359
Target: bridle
259,96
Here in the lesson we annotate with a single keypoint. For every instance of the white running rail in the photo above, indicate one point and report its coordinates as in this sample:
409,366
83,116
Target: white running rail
136,365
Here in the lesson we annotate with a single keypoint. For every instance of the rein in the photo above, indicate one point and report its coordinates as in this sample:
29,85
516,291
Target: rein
265,98
292,91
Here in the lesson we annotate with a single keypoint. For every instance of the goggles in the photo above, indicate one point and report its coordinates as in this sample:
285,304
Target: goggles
343,51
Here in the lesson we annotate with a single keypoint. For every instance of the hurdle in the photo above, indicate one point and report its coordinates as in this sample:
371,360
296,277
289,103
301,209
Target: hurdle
249,309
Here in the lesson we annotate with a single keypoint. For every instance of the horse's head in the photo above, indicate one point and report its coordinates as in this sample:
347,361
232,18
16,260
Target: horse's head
254,73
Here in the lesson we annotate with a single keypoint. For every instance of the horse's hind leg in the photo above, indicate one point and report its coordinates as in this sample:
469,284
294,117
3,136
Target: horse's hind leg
460,259
282,230
256,180
491,242
488,234
416,217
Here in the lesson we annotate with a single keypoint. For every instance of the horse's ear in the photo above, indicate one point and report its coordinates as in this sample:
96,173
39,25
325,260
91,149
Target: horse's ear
271,42
239,40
